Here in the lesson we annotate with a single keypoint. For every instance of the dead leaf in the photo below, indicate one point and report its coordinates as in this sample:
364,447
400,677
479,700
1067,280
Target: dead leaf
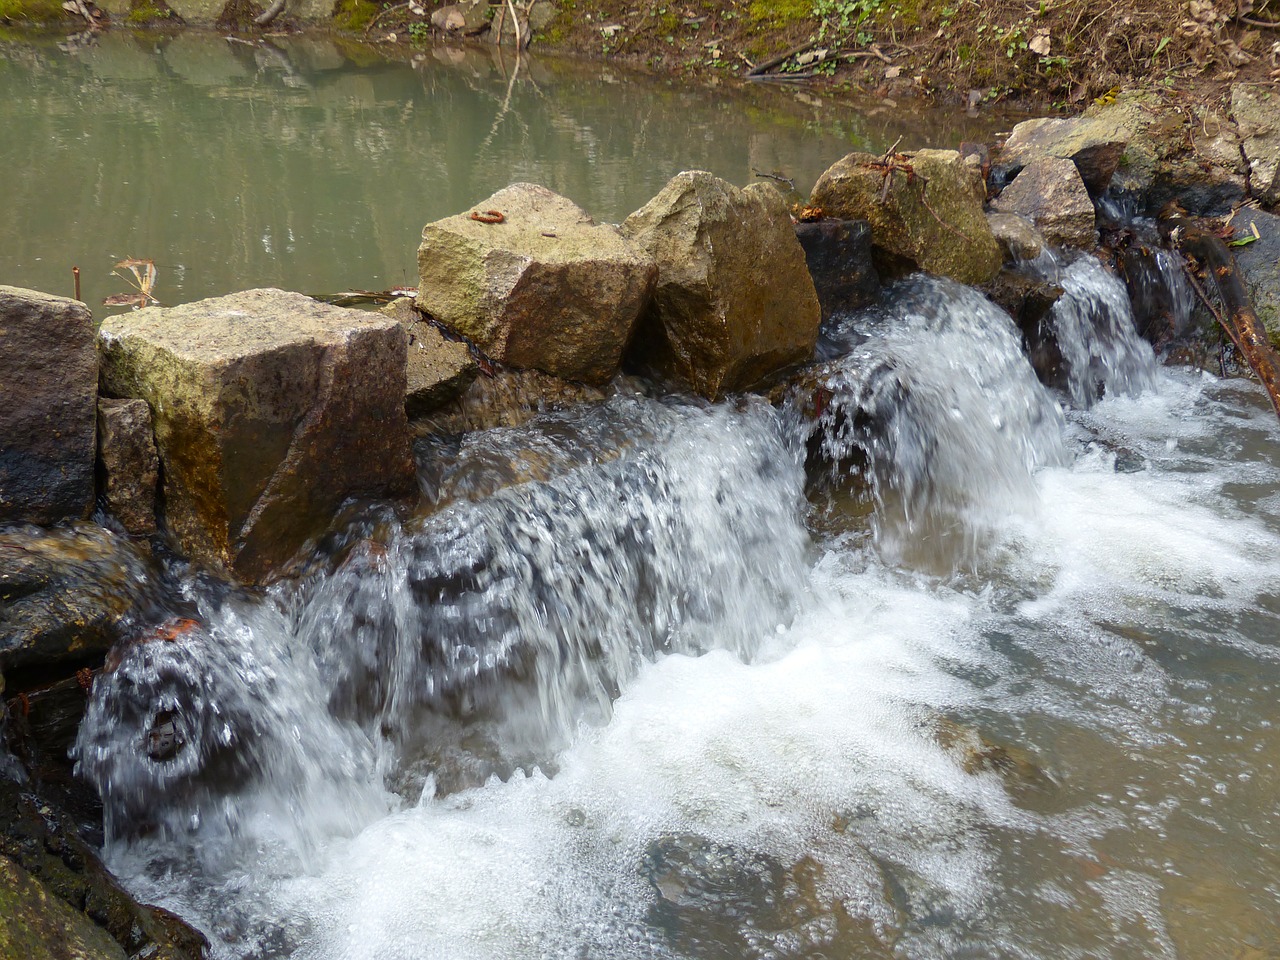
892,73
1039,44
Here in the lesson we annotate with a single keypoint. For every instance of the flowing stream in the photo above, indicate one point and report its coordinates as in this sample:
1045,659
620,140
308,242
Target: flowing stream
944,665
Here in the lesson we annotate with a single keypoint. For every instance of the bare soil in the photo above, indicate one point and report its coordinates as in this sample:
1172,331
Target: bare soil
1044,54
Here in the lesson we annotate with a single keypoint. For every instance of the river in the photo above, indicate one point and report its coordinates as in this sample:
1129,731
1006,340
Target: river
947,666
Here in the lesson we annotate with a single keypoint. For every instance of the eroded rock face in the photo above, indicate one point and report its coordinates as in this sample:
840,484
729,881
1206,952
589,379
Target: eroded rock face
1188,156
1094,148
130,466
1256,107
270,410
544,288
932,219
48,391
1050,193
734,301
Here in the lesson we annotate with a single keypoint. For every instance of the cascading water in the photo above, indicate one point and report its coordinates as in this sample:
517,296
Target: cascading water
605,696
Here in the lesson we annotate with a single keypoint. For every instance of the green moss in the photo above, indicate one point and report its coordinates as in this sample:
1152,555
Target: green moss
148,12
779,13
32,11
353,14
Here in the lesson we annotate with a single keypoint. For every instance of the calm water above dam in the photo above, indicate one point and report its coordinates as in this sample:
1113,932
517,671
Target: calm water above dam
631,682
292,165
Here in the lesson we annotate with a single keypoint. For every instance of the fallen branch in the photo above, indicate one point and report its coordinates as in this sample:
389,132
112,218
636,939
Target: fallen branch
270,13
1240,322
780,59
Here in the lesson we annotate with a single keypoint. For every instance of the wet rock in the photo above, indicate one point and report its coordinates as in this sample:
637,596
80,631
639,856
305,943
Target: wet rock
436,370
36,925
1018,237
1256,107
1094,148
65,597
1259,264
545,287
734,301
838,254
270,410
45,846
508,398
1030,302
467,19
129,463
931,218
1168,156
1050,193
48,388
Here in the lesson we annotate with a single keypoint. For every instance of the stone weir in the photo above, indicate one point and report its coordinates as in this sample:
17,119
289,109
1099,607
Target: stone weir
230,433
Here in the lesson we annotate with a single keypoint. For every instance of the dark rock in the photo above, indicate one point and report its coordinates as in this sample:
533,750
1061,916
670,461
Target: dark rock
47,847
931,217
1030,302
1259,264
129,464
544,287
838,253
437,370
270,410
1050,193
65,597
1094,148
734,301
48,388
507,398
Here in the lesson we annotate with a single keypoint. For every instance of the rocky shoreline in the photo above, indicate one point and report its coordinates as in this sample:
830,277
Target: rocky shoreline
220,439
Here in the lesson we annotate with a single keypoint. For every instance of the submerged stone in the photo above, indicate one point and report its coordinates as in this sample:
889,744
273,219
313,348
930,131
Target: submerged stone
734,302
270,410
48,388
929,216
1050,193
534,282
129,463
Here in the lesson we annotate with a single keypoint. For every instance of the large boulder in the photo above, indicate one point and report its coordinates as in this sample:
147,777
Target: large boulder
534,282
1095,149
48,392
1050,193
838,254
1259,264
129,465
734,301
929,215
270,410
1256,107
